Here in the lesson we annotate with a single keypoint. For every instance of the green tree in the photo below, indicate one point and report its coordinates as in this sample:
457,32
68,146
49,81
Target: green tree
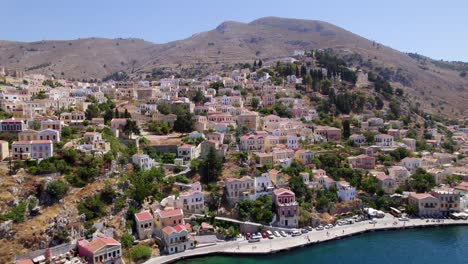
307,80
346,128
92,111
184,122
199,97
131,127
411,209
140,253
127,240
255,103
421,181
212,167
57,189
164,109
159,127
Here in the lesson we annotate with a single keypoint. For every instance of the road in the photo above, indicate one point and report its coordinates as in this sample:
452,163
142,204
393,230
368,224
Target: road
283,243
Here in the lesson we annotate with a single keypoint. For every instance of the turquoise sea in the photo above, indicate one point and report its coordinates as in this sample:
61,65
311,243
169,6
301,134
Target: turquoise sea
416,246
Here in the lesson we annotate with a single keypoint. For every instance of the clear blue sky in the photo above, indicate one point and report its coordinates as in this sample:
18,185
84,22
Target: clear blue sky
438,29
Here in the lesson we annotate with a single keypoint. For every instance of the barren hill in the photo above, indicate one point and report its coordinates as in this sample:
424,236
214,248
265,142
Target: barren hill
83,58
436,89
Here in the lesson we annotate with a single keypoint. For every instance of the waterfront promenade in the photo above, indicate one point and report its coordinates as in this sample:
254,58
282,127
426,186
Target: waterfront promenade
267,246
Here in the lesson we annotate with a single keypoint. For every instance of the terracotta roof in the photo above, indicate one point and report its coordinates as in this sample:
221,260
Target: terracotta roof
245,178
143,216
170,213
420,195
462,186
177,229
25,261
283,190
99,243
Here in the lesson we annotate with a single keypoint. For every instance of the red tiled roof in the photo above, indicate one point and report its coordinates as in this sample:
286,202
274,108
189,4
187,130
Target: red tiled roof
25,261
420,195
283,190
99,243
177,229
170,213
143,216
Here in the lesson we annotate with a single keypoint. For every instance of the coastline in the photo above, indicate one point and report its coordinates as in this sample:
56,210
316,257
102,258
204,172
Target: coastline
243,248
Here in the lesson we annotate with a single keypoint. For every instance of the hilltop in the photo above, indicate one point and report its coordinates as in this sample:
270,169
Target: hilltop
437,88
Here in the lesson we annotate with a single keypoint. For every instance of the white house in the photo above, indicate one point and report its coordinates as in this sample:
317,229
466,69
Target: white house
144,161
411,163
345,191
49,134
293,142
35,149
188,152
383,140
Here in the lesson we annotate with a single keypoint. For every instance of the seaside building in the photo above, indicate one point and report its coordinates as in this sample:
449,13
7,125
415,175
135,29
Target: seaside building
286,208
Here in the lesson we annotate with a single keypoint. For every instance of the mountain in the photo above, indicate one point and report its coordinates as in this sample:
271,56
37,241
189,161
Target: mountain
435,88
81,59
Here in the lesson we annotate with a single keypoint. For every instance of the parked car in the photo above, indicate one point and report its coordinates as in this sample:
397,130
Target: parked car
247,235
270,234
329,226
319,228
403,219
304,231
276,233
309,228
282,233
264,235
295,233
254,239
372,221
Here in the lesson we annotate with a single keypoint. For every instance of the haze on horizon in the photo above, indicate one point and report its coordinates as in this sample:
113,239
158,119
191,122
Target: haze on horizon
434,29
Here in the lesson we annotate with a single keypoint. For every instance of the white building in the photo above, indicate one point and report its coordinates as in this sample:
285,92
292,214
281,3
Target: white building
345,191
144,161
383,140
411,164
144,224
188,152
35,149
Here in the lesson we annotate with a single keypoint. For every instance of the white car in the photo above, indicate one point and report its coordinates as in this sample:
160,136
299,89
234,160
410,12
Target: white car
329,226
372,221
270,234
296,233
319,228
276,233
403,219
282,233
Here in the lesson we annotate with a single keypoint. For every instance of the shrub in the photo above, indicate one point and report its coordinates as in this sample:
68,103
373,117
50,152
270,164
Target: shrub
57,189
140,253
127,240
16,213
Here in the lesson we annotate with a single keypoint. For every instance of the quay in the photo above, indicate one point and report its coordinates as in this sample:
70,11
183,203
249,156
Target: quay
271,246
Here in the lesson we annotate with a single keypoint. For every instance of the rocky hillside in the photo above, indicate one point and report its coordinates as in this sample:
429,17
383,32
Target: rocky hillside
437,89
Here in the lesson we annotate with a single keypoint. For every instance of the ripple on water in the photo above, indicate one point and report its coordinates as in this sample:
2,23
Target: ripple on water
417,246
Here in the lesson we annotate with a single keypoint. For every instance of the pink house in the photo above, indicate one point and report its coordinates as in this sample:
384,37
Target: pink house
286,207
100,250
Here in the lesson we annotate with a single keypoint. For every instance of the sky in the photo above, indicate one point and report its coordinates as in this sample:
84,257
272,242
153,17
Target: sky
438,29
